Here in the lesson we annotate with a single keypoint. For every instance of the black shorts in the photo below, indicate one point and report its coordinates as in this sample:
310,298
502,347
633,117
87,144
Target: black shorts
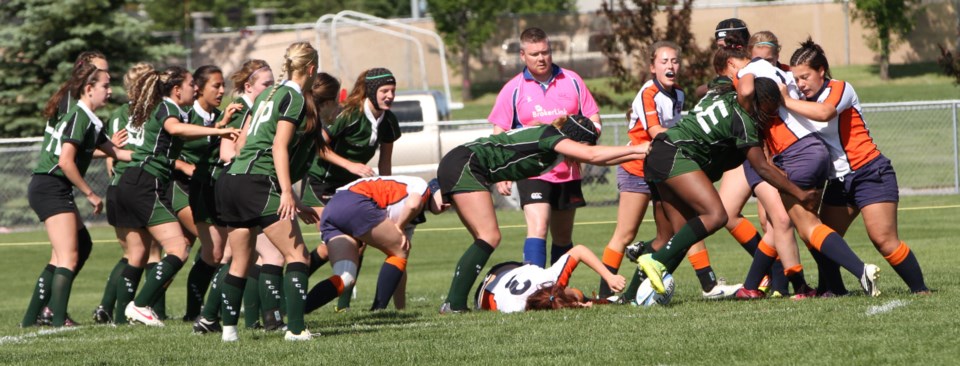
111,205
49,195
315,192
459,172
143,200
560,196
246,200
202,200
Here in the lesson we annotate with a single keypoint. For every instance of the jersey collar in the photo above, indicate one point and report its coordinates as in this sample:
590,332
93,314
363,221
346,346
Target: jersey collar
292,85
183,116
554,73
246,99
374,122
672,94
826,83
207,117
93,117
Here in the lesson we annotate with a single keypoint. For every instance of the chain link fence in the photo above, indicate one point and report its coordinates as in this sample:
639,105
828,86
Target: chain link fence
919,137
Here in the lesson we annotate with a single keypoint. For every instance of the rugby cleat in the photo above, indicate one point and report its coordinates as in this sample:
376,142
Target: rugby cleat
634,251
230,334
764,284
805,292
102,316
142,314
204,326
654,271
747,294
722,290
46,318
303,336
871,274
446,308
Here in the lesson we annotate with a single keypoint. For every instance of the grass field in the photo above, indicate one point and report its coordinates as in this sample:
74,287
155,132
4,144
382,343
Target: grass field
896,328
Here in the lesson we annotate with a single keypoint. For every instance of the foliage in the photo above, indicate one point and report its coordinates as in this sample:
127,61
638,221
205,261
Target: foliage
41,39
887,19
633,31
237,13
950,63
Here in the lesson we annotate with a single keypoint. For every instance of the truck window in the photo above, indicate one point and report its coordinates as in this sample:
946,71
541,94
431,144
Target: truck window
408,111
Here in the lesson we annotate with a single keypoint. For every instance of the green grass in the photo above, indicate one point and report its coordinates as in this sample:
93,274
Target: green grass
909,82
690,331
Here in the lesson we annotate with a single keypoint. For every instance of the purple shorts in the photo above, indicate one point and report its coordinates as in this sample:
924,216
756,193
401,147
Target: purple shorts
627,182
806,162
349,213
874,182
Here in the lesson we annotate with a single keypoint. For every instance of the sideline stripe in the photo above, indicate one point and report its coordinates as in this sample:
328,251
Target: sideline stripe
887,307
921,208
30,336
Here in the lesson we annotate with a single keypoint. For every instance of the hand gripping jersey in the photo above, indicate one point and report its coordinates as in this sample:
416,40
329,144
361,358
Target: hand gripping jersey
847,136
236,121
78,126
511,289
286,104
790,127
715,131
653,106
523,102
517,154
356,137
159,148
391,192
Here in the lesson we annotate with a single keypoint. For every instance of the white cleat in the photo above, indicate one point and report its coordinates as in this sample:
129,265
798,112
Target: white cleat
871,274
303,336
230,334
145,315
722,291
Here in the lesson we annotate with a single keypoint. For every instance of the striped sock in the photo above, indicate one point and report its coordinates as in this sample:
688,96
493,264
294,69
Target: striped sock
907,266
701,265
390,274
836,249
323,292
347,294
762,260
747,235
795,276
611,260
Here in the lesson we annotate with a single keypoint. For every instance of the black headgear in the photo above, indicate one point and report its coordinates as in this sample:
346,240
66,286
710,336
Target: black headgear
580,129
732,26
374,79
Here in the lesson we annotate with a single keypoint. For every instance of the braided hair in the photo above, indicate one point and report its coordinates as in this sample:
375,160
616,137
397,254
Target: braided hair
812,55
135,72
150,90
765,102
84,74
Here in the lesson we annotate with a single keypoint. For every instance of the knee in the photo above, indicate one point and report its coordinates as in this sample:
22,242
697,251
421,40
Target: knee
347,271
713,221
492,238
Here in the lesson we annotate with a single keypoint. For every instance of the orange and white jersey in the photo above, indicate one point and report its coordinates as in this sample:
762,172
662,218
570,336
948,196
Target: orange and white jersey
511,289
847,136
789,127
390,192
653,106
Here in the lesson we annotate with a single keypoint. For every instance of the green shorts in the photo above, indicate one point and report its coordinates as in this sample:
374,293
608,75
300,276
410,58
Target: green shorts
666,161
458,172
180,194
315,192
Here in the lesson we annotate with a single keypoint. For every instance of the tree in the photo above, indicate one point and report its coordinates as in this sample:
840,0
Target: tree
467,24
633,31
949,63
887,18
40,40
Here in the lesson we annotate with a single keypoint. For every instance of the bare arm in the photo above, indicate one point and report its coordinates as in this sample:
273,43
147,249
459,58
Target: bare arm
812,110
584,255
778,179
281,162
386,159
184,167
600,155
191,131
114,153
67,164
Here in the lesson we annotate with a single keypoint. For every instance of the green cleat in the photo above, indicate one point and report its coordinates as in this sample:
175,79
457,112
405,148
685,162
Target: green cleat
654,271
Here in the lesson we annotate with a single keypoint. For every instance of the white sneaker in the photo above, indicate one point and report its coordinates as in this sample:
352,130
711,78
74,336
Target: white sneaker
303,336
230,334
143,315
871,274
722,290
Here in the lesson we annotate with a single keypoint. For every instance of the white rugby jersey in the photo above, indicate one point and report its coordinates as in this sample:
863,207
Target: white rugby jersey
511,289
390,192
797,126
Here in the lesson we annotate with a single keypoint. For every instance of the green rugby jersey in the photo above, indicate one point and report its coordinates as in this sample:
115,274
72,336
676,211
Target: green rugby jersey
78,126
120,119
517,154
203,152
352,137
235,121
286,104
715,132
159,148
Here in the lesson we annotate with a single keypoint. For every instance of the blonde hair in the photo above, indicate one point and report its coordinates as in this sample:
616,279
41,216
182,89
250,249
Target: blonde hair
765,38
297,60
150,90
246,73
133,74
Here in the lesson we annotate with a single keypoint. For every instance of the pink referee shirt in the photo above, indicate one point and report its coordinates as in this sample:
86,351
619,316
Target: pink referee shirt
525,102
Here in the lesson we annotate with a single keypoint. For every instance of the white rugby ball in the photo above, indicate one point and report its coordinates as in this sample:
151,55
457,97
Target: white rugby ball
646,296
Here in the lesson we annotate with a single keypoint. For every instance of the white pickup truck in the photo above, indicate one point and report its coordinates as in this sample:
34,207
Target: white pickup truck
427,133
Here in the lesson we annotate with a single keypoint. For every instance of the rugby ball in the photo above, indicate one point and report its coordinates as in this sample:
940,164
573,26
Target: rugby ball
646,296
